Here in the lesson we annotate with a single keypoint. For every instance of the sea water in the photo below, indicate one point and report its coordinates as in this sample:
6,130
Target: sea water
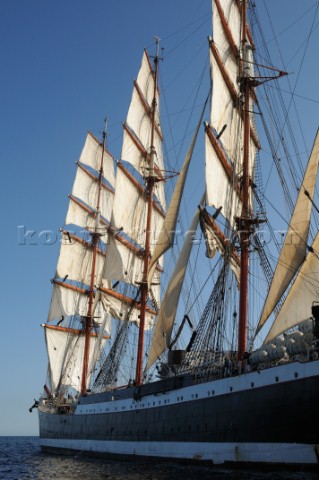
21,459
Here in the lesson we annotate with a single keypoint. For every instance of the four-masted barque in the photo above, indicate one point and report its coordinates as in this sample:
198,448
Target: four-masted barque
211,399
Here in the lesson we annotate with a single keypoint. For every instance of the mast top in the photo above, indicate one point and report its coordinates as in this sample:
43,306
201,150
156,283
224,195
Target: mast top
157,57
105,131
157,40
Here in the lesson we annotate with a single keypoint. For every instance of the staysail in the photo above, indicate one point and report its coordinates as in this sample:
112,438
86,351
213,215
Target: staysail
294,249
167,313
167,233
304,291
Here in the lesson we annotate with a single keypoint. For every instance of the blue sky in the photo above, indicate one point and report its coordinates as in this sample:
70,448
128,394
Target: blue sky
65,66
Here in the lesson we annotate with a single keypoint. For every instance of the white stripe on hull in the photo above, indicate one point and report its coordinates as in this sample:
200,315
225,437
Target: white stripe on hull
217,453
213,388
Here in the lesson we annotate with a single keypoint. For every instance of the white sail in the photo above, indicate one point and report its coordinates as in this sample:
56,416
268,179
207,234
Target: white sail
65,348
82,216
130,207
224,155
225,76
124,259
86,188
90,194
166,316
75,260
91,155
222,108
294,248
125,308
220,186
136,145
129,212
67,300
304,291
136,154
123,262
121,217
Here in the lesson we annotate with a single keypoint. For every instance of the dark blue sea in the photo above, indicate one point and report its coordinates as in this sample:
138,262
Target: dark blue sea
21,459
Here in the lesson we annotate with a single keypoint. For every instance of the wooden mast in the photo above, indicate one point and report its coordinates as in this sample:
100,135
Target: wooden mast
95,238
245,220
150,187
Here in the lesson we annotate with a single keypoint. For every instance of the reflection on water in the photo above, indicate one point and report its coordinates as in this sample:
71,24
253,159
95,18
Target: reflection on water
21,459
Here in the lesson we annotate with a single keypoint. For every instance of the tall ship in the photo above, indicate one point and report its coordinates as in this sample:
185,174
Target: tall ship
132,372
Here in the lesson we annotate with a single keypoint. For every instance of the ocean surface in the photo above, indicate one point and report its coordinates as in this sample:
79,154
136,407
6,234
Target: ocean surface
21,459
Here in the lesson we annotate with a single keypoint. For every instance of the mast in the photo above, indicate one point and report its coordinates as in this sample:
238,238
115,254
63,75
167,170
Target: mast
95,238
150,187
244,220
228,176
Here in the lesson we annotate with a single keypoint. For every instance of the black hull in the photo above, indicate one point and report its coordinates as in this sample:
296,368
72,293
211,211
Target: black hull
285,412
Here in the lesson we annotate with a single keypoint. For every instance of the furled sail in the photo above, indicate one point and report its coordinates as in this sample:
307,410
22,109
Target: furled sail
294,249
224,135
65,347
304,291
167,313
